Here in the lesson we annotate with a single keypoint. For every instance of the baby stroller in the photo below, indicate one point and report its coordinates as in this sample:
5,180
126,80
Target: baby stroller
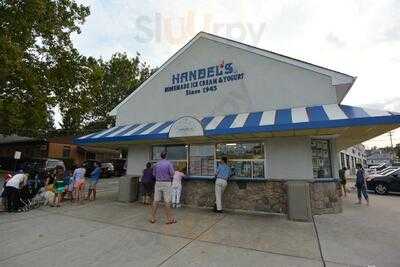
31,197
25,196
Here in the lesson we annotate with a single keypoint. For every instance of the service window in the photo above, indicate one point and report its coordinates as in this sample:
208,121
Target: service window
321,159
245,159
177,154
201,160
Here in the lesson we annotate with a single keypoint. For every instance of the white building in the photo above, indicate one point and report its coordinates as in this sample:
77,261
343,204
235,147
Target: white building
279,120
350,156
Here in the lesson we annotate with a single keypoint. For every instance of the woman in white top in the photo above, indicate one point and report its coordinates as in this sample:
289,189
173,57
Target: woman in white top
177,187
12,190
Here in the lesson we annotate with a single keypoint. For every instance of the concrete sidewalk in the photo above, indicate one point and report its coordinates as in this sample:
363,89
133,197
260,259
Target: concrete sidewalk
109,233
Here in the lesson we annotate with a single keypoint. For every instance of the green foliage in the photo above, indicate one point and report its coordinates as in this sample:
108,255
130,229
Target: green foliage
34,40
40,69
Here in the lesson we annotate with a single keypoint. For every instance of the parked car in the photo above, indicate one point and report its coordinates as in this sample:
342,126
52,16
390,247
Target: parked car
41,166
107,169
385,183
89,166
119,167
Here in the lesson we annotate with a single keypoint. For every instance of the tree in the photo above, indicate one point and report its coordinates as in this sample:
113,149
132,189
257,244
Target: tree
122,75
35,45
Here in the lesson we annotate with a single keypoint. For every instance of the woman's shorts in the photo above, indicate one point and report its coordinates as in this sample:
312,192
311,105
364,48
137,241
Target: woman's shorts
80,184
148,188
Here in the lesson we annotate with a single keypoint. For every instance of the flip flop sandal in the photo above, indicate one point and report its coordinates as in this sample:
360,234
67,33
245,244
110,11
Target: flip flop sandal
171,221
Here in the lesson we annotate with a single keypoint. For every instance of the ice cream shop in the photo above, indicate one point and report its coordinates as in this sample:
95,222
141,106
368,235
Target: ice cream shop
279,121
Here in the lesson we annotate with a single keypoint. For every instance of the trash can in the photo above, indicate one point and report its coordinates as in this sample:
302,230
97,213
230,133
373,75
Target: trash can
128,188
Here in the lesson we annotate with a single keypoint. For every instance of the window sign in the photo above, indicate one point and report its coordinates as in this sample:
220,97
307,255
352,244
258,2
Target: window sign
201,160
245,159
321,159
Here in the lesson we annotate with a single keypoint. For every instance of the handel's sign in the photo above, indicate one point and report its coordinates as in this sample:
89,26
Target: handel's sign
204,80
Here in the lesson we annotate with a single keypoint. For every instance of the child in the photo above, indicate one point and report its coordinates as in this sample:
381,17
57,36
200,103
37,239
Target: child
69,185
59,186
177,187
79,183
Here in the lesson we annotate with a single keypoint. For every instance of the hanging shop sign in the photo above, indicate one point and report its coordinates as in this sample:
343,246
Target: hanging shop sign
186,127
204,80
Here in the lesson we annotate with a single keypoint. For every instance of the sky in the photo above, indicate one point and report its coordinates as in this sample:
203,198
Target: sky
360,37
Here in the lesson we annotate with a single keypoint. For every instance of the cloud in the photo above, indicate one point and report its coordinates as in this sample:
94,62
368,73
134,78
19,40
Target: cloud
359,37
335,41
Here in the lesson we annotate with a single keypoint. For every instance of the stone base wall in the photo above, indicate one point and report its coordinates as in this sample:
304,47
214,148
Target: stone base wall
326,197
267,196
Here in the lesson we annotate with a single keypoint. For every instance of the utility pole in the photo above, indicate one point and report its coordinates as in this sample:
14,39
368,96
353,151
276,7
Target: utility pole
391,140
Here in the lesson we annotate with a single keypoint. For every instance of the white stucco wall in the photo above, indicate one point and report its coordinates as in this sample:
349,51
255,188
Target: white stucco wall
289,158
138,156
267,84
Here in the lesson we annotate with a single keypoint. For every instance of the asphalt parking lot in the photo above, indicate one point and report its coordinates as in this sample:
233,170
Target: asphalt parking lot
107,232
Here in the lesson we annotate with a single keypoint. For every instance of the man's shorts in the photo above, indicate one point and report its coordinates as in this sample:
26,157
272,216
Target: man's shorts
92,184
80,184
162,189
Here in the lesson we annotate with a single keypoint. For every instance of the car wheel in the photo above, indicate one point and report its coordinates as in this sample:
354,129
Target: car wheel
381,189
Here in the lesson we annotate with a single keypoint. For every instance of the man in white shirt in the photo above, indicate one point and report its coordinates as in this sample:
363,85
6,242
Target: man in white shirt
12,190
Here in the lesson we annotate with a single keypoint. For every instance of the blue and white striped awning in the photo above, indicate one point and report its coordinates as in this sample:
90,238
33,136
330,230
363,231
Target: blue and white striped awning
316,117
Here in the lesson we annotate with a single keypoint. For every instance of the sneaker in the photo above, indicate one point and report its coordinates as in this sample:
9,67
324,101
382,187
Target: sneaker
219,211
178,205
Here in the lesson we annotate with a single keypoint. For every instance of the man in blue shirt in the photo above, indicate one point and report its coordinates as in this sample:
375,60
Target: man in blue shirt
94,179
361,184
222,175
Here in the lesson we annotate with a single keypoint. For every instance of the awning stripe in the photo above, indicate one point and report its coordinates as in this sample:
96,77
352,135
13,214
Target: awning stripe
354,112
283,116
239,120
253,120
334,112
299,115
376,113
214,122
152,128
104,132
268,118
226,122
315,117
317,113
135,129
147,126
124,128
116,129
164,128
